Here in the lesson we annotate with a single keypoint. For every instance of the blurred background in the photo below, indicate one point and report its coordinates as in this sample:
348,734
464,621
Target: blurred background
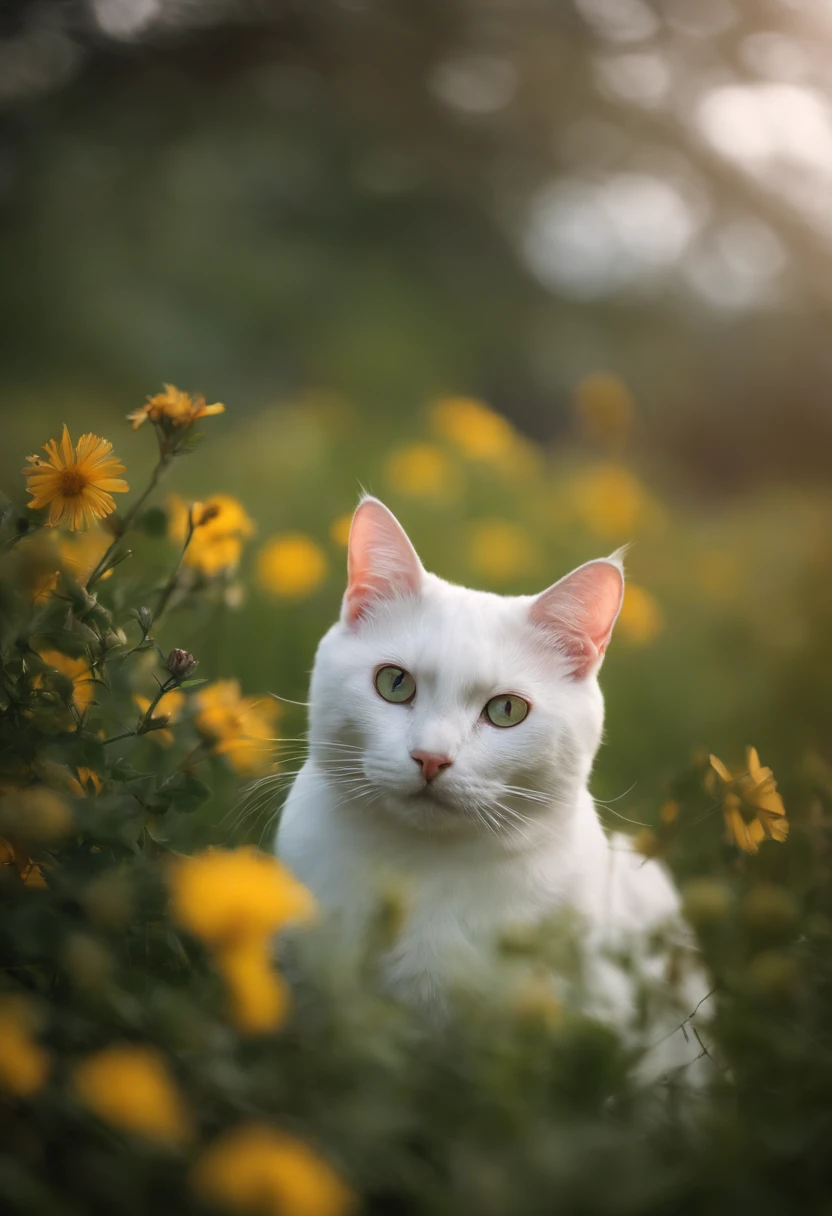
546,277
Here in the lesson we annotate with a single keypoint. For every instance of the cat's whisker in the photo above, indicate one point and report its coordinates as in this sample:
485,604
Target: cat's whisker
515,814
264,790
520,791
518,820
333,765
637,822
307,739
348,780
269,826
288,700
607,801
360,793
251,813
483,815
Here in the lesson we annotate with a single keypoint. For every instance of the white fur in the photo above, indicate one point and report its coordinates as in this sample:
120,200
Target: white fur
506,837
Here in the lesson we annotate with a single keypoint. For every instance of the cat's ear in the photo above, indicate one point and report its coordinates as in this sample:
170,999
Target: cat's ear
579,612
382,563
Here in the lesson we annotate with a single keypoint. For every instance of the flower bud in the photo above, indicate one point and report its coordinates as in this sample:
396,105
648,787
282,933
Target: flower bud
706,902
87,960
772,974
108,901
202,513
769,907
181,664
647,843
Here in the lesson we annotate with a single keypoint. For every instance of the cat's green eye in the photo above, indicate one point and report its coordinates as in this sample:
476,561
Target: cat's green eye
395,684
506,710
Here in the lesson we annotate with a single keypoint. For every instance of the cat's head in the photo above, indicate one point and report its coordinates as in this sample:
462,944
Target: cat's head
459,710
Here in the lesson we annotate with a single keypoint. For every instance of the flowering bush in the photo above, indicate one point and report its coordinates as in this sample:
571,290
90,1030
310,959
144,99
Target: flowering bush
154,1054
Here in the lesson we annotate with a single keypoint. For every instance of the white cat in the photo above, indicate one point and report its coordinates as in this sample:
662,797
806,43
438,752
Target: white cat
452,733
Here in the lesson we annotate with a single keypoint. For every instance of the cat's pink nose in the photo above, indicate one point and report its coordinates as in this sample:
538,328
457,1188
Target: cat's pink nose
431,764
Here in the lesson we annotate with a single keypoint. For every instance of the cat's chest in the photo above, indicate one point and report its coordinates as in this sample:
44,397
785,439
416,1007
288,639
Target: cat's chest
449,928
452,906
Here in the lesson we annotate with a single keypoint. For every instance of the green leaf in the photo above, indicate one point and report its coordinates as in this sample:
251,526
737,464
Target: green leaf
122,770
153,521
144,617
88,752
156,830
182,792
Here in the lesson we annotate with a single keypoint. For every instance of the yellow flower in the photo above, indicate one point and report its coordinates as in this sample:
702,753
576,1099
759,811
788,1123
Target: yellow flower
77,555
76,670
170,707
290,566
174,408
231,896
641,619
605,408
80,554
259,998
647,842
77,486
339,530
24,1064
27,870
609,500
255,1168
235,901
478,431
85,782
240,728
752,807
35,814
501,551
221,526
421,470
129,1086
669,811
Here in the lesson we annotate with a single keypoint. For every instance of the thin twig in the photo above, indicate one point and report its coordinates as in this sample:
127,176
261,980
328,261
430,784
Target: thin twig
171,584
146,723
162,465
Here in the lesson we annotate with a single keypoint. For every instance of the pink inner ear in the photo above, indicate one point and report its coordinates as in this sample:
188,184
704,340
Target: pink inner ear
382,562
580,611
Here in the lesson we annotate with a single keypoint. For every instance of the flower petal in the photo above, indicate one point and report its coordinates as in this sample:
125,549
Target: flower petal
138,417
720,769
51,449
753,761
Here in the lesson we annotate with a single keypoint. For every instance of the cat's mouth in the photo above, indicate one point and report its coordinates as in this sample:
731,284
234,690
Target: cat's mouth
435,796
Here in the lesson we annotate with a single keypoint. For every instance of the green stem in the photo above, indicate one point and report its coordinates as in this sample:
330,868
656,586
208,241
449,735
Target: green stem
125,734
171,584
148,713
161,468
145,725
190,761
12,541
